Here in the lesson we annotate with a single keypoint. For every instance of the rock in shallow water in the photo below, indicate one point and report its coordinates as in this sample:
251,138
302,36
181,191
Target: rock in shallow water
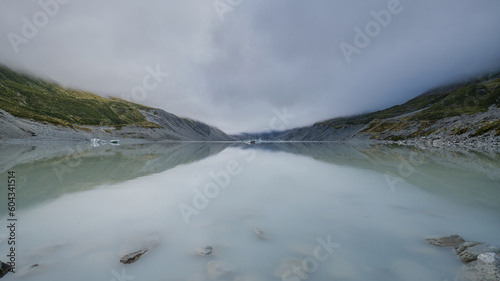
482,260
487,258
287,266
446,241
469,251
218,269
485,268
260,234
4,268
204,251
32,268
141,246
132,257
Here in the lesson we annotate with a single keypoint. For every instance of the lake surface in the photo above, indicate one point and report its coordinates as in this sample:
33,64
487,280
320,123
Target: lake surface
288,211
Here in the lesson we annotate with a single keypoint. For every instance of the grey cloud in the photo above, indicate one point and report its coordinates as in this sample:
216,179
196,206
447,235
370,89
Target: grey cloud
264,55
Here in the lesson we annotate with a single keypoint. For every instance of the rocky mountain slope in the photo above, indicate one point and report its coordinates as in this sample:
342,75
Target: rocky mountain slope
464,113
461,114
35,109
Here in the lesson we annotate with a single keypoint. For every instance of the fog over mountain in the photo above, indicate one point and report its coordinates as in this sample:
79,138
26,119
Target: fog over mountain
236,64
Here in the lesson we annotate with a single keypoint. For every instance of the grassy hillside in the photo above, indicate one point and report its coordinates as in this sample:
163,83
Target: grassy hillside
420,113
410,106
31,98
468,98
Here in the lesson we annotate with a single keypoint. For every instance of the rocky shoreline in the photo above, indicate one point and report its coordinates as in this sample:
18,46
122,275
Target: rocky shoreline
457,133
452,142
481,260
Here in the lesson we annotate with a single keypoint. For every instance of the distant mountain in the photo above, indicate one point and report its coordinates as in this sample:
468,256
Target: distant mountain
31,108
456,113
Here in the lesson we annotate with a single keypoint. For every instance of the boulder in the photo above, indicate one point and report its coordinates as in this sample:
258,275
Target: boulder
4,268
469,251
446,241
460,248
486,267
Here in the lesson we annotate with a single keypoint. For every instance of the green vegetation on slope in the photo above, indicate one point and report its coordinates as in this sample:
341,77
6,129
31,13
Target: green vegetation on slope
27,97
420,113
467,99
486,128
410,106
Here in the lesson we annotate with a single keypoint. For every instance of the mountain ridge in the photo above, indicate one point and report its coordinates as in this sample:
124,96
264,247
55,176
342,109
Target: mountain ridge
32,108
460,113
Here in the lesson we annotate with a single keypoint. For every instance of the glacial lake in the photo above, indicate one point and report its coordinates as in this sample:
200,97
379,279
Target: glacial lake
287,211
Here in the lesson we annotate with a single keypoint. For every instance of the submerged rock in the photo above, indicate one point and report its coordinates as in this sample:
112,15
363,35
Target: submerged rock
287,266
446,241
260,234
29,269
204,251
218,269
4,268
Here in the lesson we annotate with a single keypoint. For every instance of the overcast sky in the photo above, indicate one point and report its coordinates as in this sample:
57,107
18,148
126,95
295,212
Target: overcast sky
231,62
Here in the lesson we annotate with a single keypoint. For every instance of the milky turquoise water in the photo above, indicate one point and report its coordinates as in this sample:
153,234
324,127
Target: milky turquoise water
335,212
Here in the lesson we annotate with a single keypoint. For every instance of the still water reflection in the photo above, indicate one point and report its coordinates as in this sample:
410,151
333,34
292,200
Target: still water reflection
348,213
